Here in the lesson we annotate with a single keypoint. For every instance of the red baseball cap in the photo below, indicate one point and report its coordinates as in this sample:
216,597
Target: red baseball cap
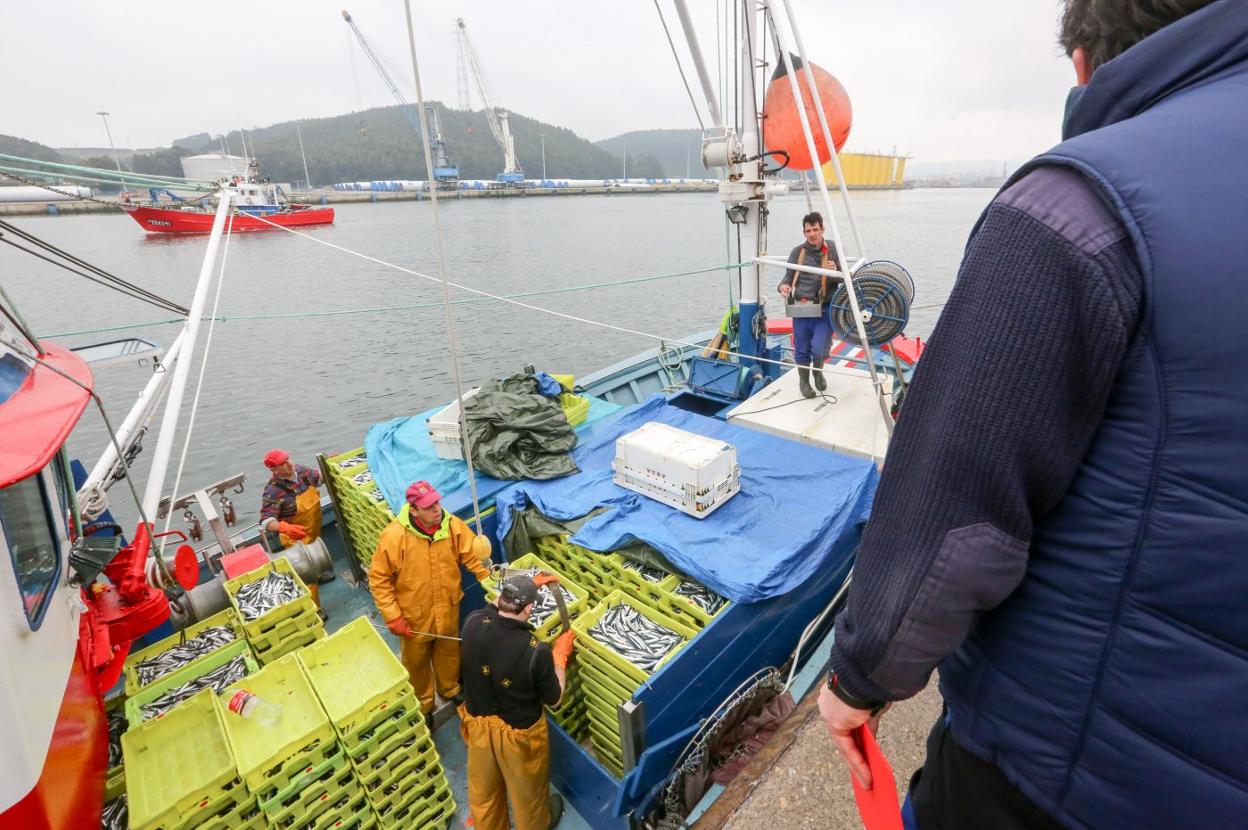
422,495
275,458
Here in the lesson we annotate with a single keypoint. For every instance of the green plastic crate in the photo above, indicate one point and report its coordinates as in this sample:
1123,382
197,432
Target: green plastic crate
424,811
229,617
400,710
328,793
292,780
357,814
292,643
148,694
413,773
386,769
304,731
246,816
574,407
355,675
268,621
619,563
589,618
606,676
551,627
179,765
666,603
115,777
692,607
392,735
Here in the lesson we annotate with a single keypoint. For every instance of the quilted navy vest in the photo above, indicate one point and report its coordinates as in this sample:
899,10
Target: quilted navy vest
1112,686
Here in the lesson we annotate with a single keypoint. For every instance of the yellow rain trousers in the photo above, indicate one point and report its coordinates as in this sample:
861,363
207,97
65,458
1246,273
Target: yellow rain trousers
307,516
506,762
418,578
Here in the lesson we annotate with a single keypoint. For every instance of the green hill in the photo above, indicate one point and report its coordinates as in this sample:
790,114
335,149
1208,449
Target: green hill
673,150
381,144
14,146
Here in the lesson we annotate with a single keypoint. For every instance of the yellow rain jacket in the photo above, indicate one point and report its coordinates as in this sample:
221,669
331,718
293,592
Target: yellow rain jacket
417,578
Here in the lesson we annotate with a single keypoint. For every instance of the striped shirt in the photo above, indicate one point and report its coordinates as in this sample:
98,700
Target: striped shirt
278,499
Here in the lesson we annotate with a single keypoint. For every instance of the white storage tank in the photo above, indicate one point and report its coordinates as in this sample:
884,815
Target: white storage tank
212,166
30,193
689,472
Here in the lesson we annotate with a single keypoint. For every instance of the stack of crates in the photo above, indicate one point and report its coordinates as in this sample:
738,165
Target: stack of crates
608,680
115,778
571,712
374,712
360,503
587,568
151,693
145,667
296,770
285,628
181,774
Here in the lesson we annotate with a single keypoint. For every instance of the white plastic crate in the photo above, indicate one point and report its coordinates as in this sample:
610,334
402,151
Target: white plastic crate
444,430
692,473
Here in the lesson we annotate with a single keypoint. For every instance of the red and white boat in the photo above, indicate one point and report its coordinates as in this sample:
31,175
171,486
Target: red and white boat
258,206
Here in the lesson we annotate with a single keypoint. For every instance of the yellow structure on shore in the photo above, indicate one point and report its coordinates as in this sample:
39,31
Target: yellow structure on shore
869,171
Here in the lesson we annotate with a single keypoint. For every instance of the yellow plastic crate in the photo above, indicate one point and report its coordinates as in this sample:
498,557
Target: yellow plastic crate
292,780
178,765
389,784
574,407
394,734
425,810
400,710
329,793
228,618
264,752
270,620
302,635
606,677
246,816
355,674
211,662
588,619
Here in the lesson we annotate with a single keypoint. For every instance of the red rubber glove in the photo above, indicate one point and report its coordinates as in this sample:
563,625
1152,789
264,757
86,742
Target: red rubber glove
545,579
562,649
292,530
399,627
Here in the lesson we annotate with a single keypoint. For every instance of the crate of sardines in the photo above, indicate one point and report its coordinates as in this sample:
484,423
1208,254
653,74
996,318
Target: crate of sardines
630,639
268,596
216,671
545,617
182,650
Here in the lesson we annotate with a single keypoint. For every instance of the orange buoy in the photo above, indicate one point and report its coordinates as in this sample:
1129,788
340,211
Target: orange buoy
782,127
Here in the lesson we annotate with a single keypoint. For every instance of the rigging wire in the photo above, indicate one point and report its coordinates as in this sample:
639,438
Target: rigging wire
110,280
679,68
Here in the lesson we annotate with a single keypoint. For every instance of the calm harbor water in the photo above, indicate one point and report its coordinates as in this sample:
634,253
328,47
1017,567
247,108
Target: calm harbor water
317,383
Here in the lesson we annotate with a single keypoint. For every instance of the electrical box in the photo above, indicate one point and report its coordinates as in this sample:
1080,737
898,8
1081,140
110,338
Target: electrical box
444,430
689,472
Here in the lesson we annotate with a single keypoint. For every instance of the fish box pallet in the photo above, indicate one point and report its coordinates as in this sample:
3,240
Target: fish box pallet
135,663
180,770
552,626
689,472
135,705
303,737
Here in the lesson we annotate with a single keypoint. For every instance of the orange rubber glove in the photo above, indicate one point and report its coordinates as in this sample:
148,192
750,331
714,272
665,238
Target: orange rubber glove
562,649
292,530
399,627
545,579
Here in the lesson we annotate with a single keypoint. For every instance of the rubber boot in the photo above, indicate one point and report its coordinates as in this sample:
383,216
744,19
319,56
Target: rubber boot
803,382
821,383
556,809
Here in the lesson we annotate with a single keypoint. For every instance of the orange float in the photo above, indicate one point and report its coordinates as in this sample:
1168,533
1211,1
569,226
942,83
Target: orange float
782,127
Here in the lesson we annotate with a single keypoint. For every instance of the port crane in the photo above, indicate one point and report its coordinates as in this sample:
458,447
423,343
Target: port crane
445,172
495,116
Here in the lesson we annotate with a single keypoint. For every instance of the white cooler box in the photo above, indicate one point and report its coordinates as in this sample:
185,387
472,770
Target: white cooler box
690,472
444,430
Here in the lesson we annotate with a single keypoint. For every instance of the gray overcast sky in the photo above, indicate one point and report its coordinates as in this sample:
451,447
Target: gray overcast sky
944,81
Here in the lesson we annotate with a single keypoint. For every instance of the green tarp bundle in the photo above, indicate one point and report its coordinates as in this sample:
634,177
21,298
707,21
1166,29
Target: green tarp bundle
518,433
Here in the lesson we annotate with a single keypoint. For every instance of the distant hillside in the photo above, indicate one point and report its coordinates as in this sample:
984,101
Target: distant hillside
673,150
14,146
381,144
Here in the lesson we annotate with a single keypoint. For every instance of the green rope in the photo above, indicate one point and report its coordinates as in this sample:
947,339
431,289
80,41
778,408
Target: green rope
135,179
392,308
167,180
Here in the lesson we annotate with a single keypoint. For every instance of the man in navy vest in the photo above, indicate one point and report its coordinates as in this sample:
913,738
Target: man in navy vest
1062,523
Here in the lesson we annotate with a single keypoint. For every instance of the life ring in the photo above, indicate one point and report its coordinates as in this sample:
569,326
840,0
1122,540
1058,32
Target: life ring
250,200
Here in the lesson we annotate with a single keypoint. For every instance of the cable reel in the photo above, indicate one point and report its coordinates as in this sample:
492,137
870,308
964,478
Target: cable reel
884,291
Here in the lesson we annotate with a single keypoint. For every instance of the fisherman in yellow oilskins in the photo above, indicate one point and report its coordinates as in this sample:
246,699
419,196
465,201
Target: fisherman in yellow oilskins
508,675
416,584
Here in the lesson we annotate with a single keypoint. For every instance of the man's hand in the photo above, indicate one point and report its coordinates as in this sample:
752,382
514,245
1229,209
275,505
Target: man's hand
786,290
842,720
292,531
399,627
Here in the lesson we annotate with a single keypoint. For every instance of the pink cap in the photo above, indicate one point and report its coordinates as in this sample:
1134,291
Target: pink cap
276,458
422,495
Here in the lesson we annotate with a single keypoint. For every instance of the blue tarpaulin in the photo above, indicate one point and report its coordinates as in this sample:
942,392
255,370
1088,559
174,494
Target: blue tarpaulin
796,501
399,452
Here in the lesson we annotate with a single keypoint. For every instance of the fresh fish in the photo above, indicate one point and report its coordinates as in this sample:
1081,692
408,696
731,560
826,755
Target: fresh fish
637,639
363,478
217,680
647,572
353,461
170,660
700,595
116,815
255,599
117,726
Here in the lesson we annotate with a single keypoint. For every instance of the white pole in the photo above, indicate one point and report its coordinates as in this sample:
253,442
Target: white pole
173,407
138,413
704,77
307,180
113,147
446,289
831,220
750,282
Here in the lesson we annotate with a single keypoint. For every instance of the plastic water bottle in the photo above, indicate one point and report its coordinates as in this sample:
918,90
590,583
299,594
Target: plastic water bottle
250,706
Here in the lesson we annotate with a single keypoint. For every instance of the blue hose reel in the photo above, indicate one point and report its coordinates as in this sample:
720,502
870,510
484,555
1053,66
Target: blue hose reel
884,291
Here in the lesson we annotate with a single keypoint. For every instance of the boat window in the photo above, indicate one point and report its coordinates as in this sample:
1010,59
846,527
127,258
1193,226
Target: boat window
32,540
